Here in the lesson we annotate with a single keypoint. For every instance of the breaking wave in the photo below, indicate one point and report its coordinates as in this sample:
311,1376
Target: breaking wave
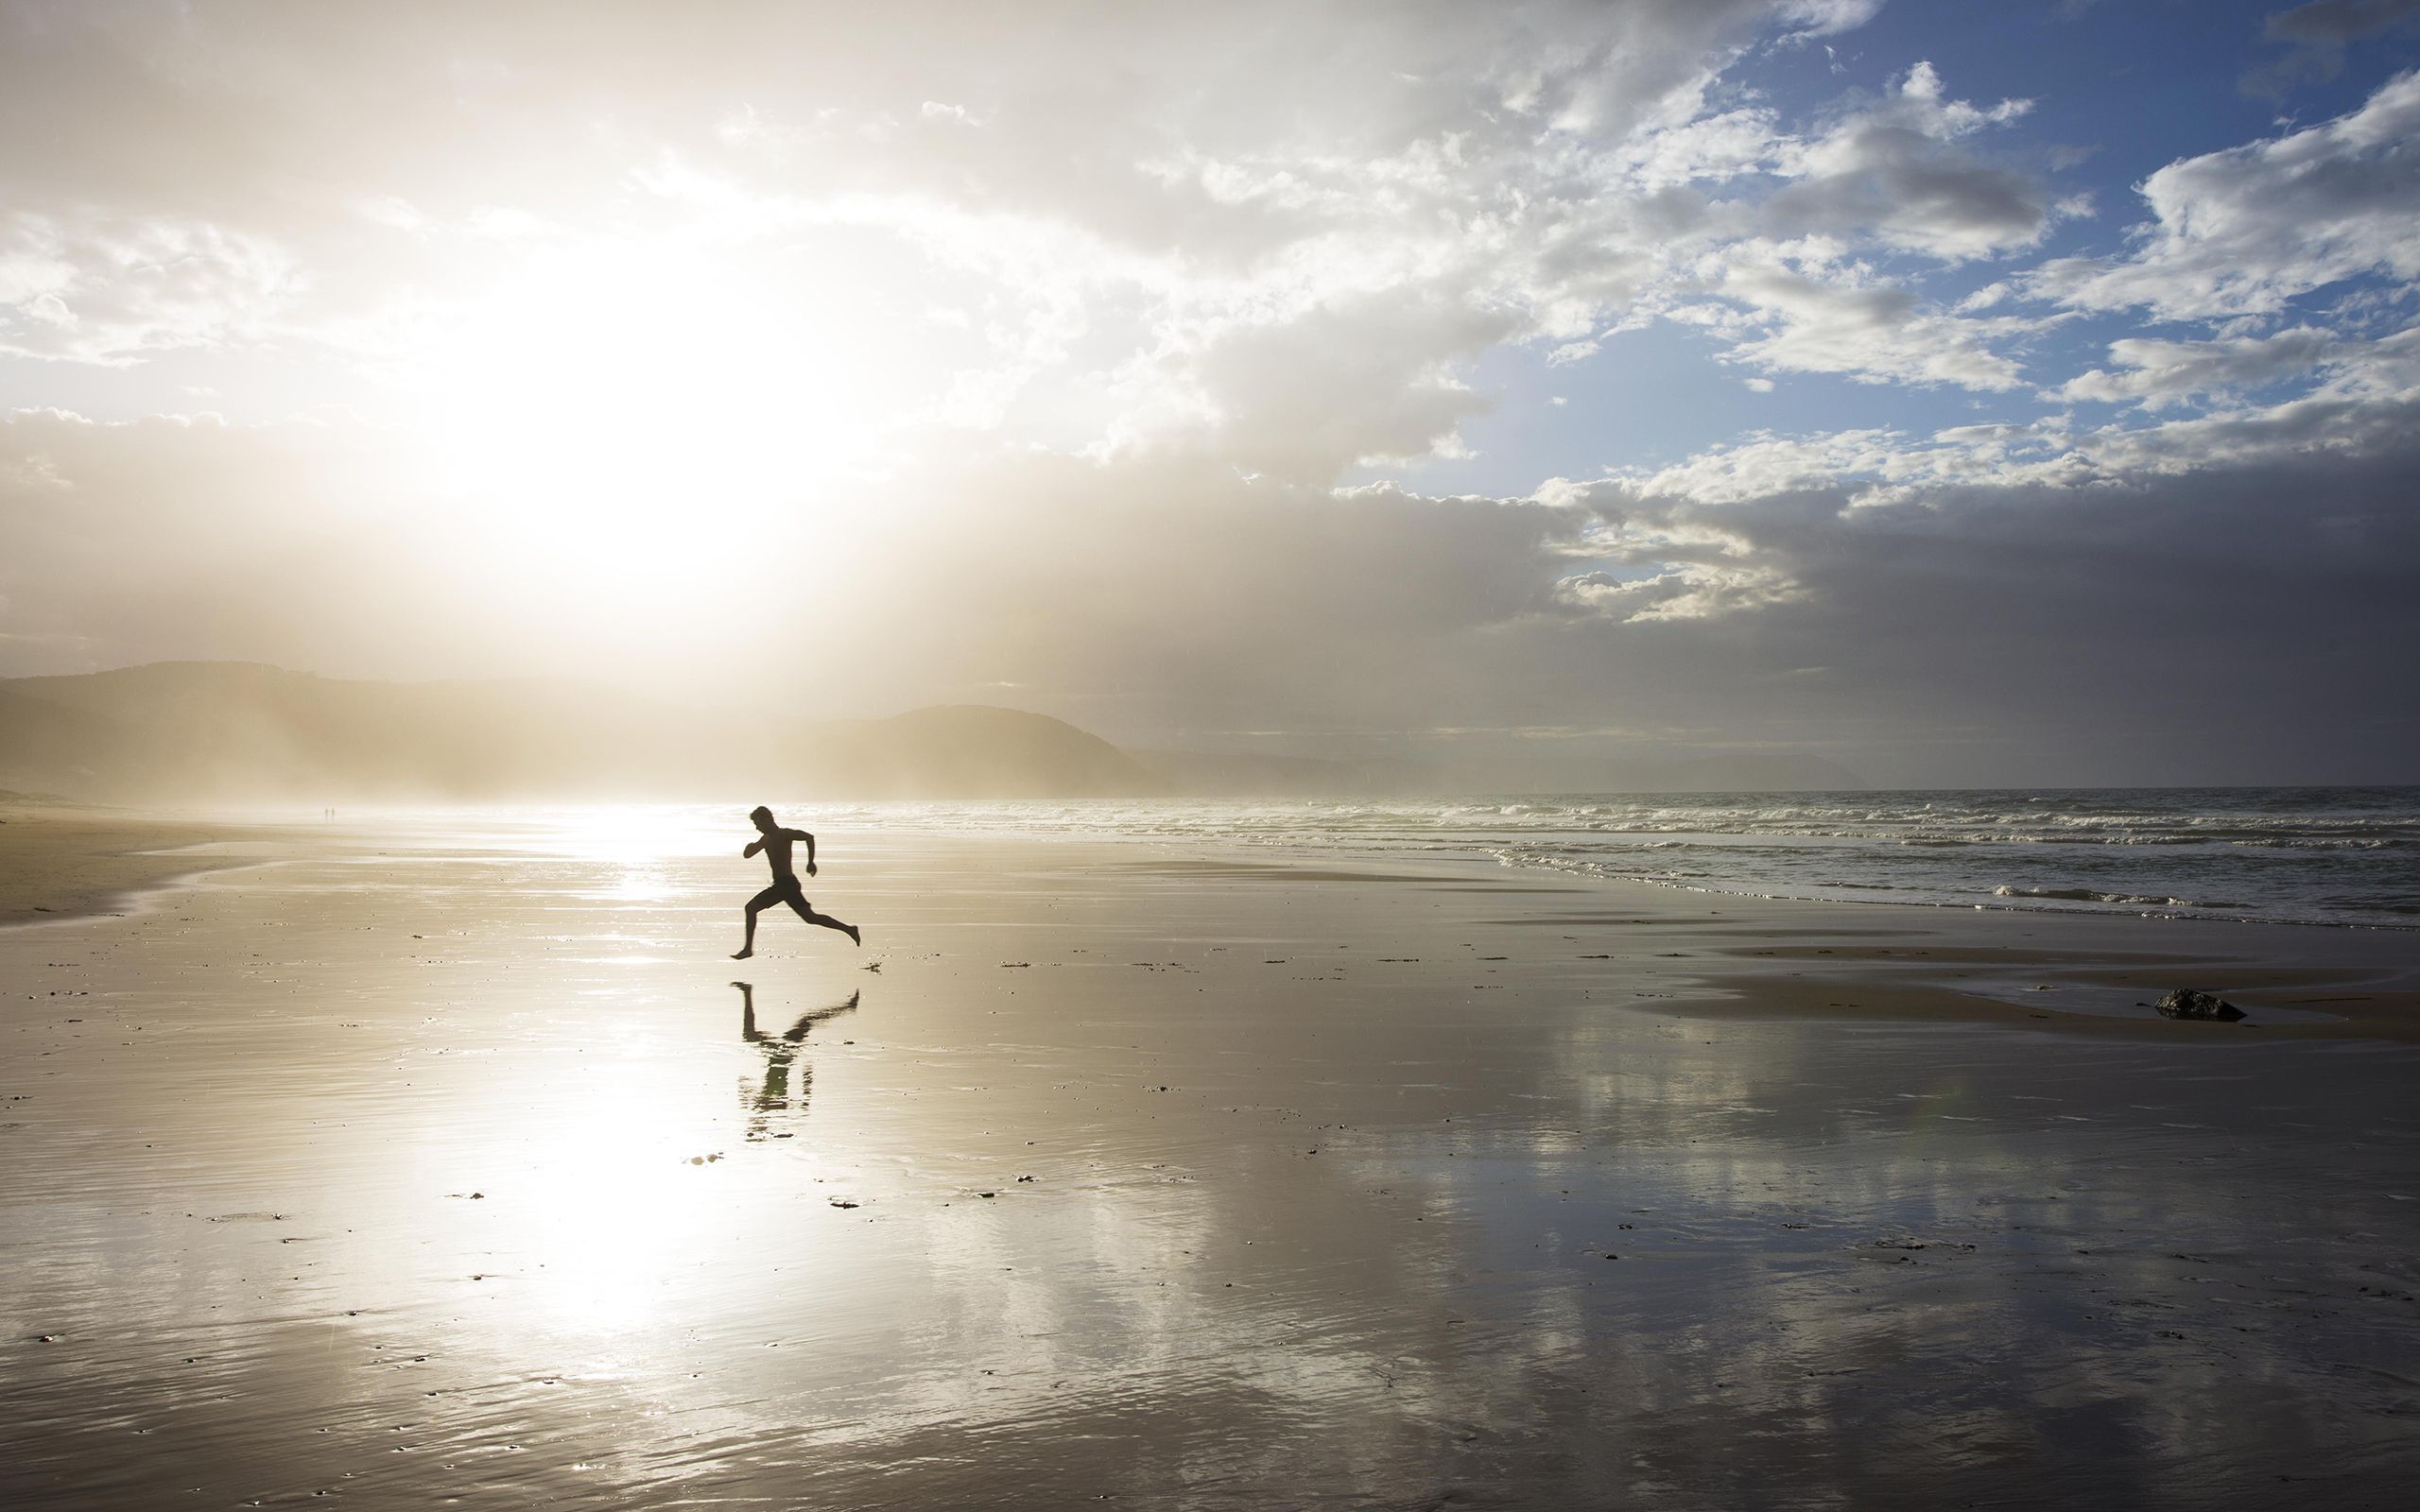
2345,857
2086,894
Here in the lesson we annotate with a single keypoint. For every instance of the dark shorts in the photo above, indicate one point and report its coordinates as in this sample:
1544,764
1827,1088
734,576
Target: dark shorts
785,890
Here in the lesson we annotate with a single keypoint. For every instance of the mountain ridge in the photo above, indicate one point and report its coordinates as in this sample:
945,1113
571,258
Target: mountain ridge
250,732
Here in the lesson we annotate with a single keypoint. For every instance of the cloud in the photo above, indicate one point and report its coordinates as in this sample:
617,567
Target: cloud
1357,379
1138,593
110,293
1784,252
1165,220
2337,22
1799,309
2248,230
1892,171
1828,18
1700,149
2198,600
1152,200
1689,591
2160,374
1038,338
2319,33
1154,194
2212,599
1756,504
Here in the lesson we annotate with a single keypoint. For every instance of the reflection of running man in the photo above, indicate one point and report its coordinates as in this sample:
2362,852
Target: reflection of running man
776,1097
776,842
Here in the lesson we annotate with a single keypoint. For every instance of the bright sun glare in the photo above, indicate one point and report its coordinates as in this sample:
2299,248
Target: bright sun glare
625,405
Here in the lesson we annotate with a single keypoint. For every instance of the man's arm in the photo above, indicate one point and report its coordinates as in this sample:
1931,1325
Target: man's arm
801,834
753,846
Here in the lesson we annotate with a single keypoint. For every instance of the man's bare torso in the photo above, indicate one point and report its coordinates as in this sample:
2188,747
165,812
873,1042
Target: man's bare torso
777,854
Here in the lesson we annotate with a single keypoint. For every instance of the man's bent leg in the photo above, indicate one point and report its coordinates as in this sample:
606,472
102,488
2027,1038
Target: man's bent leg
756,905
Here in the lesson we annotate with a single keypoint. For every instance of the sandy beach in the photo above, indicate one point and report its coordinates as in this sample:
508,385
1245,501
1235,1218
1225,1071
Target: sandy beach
425,1168
1533,708
58,859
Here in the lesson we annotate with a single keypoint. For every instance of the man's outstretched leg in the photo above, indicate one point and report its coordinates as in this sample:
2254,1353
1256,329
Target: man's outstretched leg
799,906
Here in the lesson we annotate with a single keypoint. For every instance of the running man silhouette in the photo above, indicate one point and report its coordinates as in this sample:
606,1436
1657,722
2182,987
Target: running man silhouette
776,842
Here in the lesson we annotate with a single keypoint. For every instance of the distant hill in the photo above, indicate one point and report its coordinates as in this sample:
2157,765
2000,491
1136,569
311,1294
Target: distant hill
47,747
221,731
970,750
242,733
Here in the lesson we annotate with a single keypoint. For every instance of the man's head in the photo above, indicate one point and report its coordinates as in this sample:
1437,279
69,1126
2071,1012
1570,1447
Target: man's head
764,818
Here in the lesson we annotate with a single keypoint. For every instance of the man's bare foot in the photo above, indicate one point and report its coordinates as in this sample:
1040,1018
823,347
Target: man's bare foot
855,937
743,952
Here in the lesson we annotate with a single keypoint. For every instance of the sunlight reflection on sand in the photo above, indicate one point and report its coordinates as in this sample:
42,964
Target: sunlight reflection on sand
468,1169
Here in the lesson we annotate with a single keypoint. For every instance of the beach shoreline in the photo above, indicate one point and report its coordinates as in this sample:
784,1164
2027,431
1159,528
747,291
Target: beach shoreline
61,861
1772,956
458,1170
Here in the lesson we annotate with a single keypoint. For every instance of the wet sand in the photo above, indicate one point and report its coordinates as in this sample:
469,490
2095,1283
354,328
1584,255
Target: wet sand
58,859
464,1173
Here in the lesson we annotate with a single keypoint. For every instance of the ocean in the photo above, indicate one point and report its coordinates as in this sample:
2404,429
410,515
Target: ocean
2304,855
2343,857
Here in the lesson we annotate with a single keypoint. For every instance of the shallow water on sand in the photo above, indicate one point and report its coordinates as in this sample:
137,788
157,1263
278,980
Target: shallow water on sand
469,1174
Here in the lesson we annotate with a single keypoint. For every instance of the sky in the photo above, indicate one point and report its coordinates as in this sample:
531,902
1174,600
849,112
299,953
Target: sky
1963,394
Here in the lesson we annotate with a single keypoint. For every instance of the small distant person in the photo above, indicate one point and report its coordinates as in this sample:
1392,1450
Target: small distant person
776,842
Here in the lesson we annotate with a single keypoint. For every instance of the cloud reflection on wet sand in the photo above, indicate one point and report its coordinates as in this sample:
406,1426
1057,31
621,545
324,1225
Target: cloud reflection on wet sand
1218,1200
